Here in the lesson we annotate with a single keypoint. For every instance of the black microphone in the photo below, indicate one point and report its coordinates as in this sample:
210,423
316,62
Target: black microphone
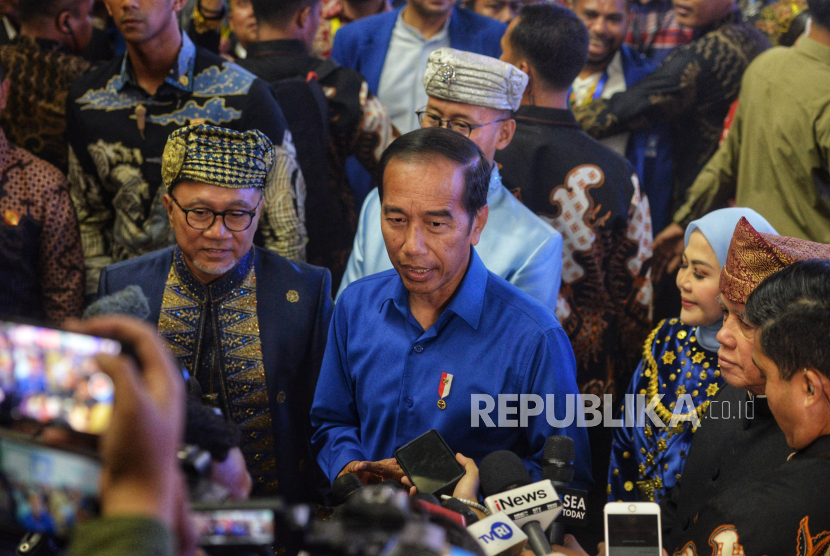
344,486
509,489
558,467
459,507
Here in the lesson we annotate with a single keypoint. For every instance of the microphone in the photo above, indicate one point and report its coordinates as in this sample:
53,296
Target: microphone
531,506
497,535
558,467
130,301
459,507
344,486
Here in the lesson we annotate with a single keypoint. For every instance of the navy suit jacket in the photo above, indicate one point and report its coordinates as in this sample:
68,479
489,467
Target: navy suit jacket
293,338
362,45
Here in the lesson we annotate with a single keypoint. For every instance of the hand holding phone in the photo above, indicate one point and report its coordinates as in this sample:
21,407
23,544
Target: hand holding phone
430,464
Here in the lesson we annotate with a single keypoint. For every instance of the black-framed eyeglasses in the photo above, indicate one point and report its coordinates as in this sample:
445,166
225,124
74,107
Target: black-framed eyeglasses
458,126
203,218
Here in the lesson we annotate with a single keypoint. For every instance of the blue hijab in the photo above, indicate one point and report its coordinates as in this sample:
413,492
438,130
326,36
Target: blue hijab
717,227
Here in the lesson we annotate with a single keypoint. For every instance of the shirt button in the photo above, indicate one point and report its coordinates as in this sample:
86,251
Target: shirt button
419,348
408,401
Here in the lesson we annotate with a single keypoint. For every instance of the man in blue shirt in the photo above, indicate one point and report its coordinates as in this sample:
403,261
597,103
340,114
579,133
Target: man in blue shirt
439,315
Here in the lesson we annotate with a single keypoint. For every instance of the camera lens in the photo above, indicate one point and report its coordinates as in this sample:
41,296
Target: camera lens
632,520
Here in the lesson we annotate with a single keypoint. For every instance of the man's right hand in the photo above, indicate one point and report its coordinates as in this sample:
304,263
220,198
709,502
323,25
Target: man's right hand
667,248
374,472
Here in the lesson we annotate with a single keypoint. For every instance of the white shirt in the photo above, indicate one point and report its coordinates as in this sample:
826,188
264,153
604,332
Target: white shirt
583,87
401,88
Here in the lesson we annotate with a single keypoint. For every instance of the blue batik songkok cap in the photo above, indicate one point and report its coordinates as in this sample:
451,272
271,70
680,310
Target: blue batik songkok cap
217,156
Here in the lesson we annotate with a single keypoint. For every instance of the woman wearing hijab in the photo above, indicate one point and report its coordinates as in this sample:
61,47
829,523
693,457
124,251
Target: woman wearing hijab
680,362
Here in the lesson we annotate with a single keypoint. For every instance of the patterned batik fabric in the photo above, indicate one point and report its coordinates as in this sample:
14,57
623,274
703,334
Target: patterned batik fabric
40,73
118,135
785,511
213,330
590,195
647,459
41,260
753,256
691,90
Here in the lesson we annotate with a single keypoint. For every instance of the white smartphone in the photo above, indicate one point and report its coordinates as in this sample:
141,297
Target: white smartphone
633,529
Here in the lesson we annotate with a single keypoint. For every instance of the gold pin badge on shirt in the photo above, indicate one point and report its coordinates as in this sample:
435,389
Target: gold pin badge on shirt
292,296
444,389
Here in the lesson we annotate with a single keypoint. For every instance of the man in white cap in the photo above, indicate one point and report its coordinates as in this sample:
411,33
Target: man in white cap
475,96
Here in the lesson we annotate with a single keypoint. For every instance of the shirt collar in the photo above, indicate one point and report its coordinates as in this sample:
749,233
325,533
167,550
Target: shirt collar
180,76
284,46
220,287
820,447
541,114
495,180
440,35
813,49
467,301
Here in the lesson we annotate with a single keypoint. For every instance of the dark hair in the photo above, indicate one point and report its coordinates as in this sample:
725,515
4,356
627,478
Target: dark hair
32,10
797,26
820,12
554,41
430,142
791,313
210,431
279,11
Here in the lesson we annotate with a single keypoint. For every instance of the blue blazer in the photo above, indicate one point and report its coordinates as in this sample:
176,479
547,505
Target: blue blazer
362,45
293,338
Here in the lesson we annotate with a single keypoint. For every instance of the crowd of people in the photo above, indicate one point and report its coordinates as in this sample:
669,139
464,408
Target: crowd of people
506,199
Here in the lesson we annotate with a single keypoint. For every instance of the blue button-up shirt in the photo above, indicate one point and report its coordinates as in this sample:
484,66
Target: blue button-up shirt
378,387
515,244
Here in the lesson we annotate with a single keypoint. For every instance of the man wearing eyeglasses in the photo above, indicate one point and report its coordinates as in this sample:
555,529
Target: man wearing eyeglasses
249,325
475,96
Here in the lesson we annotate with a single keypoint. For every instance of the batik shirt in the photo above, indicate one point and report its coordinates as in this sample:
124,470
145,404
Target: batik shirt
692,91
786,511
41,262
117,136
40,73
591,195
646,460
